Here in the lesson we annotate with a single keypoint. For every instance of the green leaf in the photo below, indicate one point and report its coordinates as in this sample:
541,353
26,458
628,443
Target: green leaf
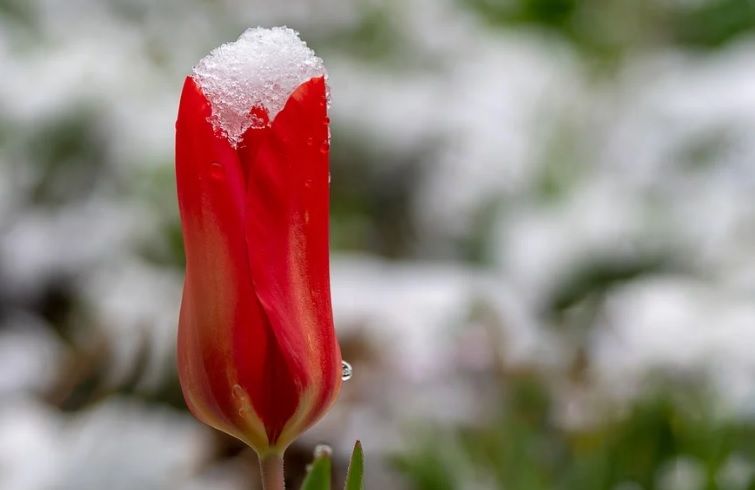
318,475
354,478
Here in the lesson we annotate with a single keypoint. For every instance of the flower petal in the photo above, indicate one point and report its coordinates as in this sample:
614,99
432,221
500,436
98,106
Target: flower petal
287,206
221,320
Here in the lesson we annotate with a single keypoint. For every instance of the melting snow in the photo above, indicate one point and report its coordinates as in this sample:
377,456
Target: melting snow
261,69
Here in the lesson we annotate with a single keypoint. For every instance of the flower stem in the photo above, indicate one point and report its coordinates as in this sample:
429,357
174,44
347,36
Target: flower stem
271,467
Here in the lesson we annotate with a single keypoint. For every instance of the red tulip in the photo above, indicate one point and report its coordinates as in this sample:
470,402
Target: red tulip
257,353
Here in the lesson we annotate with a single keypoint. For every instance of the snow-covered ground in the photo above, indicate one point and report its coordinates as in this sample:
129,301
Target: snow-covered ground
655,160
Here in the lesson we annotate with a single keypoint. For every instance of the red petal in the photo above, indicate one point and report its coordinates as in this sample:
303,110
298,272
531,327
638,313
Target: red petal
222,329
287,236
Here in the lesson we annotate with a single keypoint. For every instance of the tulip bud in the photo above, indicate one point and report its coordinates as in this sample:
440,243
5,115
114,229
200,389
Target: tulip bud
257,352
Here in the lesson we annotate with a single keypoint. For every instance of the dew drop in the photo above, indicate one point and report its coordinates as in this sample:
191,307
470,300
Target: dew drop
238,392
346,371
241,399
216,171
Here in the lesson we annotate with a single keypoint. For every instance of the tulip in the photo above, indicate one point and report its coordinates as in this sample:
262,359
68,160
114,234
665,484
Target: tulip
257,353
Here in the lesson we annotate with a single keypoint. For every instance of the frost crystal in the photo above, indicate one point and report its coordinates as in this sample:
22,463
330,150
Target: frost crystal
260,69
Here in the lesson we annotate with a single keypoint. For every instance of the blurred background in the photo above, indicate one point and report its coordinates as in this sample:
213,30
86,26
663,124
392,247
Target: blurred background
543,227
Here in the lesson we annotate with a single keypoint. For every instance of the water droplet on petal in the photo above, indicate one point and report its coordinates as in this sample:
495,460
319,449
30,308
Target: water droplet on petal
238,392
346,371
241,399
216,171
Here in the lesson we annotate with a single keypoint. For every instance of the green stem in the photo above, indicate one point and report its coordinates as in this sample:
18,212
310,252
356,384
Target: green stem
271,467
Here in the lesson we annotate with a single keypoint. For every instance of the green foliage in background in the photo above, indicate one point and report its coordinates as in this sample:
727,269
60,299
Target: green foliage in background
614,26
660,439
